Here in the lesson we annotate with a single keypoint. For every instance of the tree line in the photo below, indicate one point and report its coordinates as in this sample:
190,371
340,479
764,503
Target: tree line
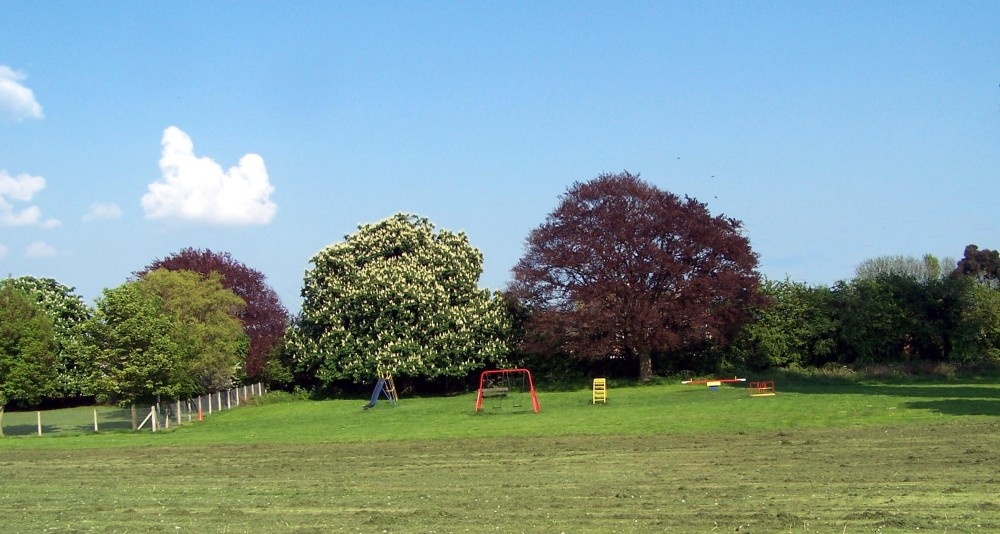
192,323
895,310
621,277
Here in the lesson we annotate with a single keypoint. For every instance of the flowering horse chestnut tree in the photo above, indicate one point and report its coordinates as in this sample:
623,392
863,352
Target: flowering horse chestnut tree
400,297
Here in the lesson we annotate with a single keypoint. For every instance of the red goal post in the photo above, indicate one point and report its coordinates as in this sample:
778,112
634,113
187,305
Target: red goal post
524,373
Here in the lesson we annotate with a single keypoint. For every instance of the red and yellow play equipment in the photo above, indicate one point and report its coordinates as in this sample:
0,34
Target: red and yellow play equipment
714,383
762,389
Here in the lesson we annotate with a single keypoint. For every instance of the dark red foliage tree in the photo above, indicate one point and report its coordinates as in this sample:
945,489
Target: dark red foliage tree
264,319
983,265
623,269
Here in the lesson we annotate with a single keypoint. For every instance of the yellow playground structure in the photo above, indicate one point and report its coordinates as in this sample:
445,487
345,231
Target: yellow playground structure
600,391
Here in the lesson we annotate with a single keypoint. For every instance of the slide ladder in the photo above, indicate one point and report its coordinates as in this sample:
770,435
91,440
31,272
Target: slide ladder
384,386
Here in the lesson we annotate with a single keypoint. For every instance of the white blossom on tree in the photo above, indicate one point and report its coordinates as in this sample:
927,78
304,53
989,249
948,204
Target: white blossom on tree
401,297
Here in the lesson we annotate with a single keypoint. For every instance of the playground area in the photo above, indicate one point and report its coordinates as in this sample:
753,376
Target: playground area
514,389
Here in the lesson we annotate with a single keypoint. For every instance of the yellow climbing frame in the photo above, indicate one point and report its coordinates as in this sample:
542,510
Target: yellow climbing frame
600,391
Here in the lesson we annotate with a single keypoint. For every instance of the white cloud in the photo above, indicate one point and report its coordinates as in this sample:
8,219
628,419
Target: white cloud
3,251
39,249
17,102
102,211
21,188
26,217
197,189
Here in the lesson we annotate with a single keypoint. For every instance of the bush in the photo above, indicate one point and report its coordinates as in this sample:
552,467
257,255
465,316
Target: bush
279,397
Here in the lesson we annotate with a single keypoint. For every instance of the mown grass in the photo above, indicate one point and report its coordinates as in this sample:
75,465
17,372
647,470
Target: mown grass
79,420
849,457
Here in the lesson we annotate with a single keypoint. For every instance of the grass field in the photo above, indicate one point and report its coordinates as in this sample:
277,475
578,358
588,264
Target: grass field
850,457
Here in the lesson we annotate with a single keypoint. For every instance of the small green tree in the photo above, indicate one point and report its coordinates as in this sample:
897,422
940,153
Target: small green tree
68,313
205,325
129,341
399,296
28,370
792,326
976,338
264,318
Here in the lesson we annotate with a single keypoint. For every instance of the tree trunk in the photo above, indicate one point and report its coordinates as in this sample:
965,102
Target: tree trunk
645,366
2,406
135,418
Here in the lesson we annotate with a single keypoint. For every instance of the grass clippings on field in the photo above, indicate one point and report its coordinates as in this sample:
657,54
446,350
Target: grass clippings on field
876,458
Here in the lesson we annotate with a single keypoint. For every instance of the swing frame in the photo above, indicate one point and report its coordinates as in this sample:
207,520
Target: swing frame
505,374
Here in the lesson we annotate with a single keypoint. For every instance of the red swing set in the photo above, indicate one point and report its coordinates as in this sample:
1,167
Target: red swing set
496,383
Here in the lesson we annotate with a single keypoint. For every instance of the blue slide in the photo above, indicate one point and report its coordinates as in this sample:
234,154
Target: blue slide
378,389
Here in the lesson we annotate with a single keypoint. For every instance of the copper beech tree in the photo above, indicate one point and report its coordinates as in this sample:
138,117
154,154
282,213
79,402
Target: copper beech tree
623,269
264,318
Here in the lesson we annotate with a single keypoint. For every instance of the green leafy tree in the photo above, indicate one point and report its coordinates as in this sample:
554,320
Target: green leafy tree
793,326
206,326
28,370
892,318
926,269
977,335
399,296
68,313
129,339
264,318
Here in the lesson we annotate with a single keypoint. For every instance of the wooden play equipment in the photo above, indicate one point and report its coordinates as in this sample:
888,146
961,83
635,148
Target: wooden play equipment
600,391
385,386
715,383
762,389
719,380
498,384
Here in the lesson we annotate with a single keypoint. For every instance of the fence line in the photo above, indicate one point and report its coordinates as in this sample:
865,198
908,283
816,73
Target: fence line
161,415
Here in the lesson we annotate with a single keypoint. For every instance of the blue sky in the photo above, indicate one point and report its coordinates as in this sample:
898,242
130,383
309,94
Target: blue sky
836,131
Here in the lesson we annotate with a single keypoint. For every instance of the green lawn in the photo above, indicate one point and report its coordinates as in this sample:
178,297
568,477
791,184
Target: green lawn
854,457
68,421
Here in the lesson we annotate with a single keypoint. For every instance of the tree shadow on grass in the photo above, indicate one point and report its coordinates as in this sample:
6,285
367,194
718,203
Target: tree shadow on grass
958,406
26,430
972,388
957,391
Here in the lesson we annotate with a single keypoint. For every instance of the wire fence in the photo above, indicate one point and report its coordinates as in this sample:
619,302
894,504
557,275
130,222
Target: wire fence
148,418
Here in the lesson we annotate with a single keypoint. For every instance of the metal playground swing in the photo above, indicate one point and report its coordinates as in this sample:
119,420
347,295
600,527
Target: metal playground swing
506,385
